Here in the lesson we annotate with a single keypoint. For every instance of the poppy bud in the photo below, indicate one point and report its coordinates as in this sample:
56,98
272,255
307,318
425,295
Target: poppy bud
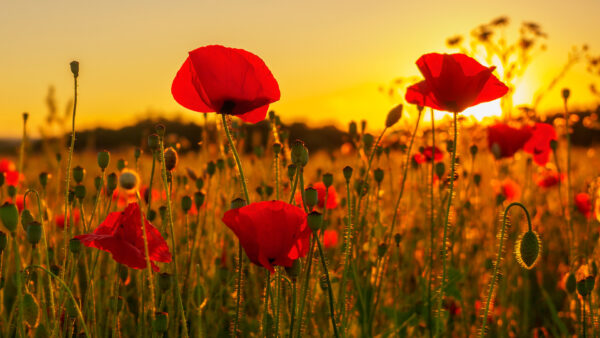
153,142
314,220
199,199
58,157
211,168
78,174
98,183
160,130
352,129
9,216
123,272
161,322
393,116
473,149
43,177
186,203
361,187
553,145
348,173
566,93
299,153
582,289
527,249
162,210
378,175
3,241
151,216
397,239
34,233
220,164
74,68
199,183
363,125
121,164
328,180
26,218
571,283
277,148
129,180
31,310
477,179
368,141
164,281
294,271
12,191
268,191
311,197
381,249
103,159
80,192
111,183
440,168
171,158
590,282
238,203
137,152
323,282
291,171
75,245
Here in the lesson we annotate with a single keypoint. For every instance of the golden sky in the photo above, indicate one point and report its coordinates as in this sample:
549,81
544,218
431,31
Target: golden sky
329,57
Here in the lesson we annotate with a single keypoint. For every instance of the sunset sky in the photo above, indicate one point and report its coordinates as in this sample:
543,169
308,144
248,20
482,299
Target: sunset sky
329,57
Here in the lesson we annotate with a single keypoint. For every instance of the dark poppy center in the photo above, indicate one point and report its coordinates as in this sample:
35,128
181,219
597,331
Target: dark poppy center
227,107
271,260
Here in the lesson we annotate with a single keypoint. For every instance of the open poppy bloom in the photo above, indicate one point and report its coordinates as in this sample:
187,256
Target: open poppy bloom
437,154
583,203
12,176
330,238
550,178
271,232
509,189
322,191
227,81
121,235
504,140
539,143
453,83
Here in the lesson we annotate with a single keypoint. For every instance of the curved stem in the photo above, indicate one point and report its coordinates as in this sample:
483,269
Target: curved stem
39,203
85,329
498,257
447,219
170,221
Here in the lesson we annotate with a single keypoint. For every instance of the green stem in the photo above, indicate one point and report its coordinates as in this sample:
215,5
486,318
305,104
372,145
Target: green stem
85,329
19,285
293,312
151,181
265,321
347,253
569,201
432,224
447,219
173,241
498,258
240,275
329,292
147,252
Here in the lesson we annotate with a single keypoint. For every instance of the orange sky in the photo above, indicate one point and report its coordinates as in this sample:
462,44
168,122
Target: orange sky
329,57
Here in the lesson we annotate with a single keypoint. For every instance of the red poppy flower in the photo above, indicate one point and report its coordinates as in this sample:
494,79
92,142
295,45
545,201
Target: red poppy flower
13,177
508,188
583,202
227,81
271,232
550,178
454,82
539,143
7,165
505,141
59,220
121,235
321,192
330,238
439,155
418,158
